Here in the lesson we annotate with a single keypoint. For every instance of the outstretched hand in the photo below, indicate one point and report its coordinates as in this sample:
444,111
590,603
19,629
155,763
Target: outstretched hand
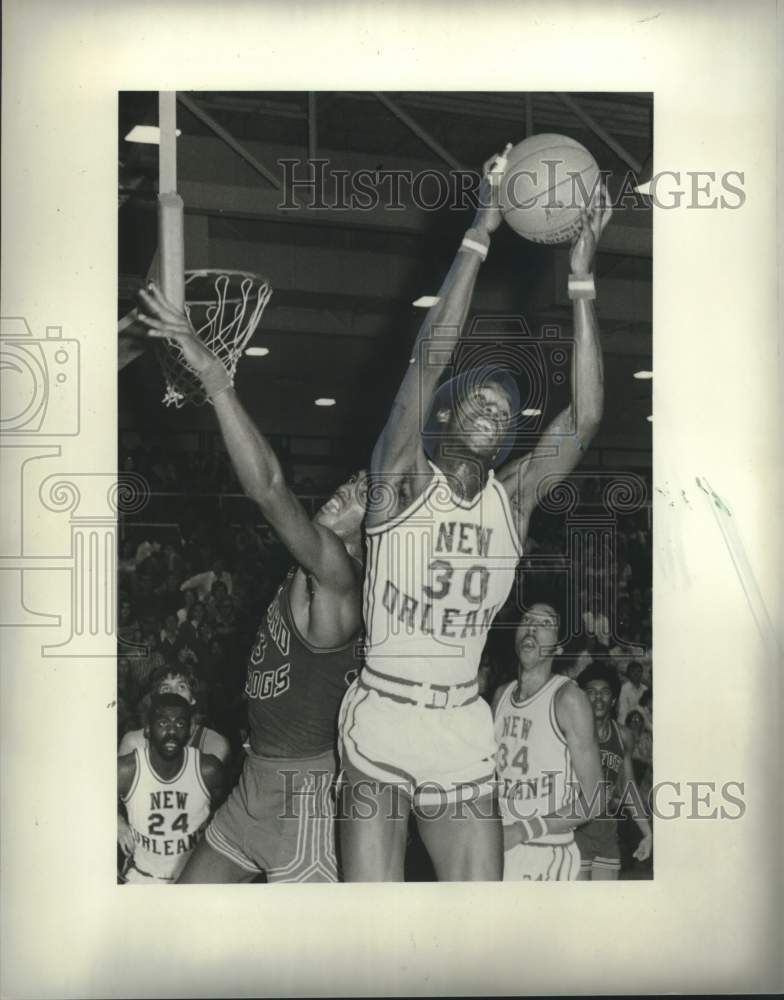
165,321
488,215
594,221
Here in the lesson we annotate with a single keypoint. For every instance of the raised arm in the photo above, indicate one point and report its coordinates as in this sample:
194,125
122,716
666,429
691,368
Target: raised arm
315,548
399,448
571,432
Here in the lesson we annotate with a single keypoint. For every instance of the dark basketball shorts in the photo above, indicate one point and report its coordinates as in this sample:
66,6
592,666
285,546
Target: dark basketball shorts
280,819
598,844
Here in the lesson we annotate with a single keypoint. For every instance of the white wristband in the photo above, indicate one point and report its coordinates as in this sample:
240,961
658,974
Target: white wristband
581,288
476,247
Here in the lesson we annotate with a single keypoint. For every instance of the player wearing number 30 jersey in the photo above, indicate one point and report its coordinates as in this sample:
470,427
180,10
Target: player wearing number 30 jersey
444,535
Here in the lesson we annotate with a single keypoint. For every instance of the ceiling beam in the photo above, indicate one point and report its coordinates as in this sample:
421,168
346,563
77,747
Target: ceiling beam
419,132
601,133
228,138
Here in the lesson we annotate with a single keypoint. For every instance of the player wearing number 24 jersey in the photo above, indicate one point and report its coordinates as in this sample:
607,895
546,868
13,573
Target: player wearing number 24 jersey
445,533
168,790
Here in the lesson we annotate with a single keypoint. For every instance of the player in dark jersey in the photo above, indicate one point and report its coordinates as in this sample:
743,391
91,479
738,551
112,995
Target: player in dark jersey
600,857
279,819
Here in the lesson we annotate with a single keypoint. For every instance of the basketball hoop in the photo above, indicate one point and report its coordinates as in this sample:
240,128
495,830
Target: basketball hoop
224,308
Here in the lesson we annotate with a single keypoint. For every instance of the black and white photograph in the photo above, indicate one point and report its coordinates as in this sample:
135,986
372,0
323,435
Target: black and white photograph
394,554
380,384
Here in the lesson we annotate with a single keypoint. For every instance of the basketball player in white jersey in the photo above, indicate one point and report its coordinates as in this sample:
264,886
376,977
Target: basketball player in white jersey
169,790
444,538
547,750
173,681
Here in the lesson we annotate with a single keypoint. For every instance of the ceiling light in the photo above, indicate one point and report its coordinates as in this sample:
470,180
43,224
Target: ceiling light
146,133
531,413
425,301
324,401
643,374
257,352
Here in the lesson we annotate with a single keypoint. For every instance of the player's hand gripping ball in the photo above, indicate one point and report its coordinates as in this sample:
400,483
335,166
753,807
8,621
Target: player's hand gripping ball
548,182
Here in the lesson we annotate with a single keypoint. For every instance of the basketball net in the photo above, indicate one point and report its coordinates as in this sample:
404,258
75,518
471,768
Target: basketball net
224,324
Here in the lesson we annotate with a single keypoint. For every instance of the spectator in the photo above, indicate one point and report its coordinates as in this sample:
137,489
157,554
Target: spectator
127,625
186,602
202,582
169,637
633,689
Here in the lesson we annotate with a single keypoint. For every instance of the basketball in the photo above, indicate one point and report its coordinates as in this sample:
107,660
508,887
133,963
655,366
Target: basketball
548,179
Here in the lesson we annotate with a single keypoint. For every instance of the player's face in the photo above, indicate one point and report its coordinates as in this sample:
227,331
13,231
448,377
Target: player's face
176,684
600,695
482,418
170,729
536,638
345,509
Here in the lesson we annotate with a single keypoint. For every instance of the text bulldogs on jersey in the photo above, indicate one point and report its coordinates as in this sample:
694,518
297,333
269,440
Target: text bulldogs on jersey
263,684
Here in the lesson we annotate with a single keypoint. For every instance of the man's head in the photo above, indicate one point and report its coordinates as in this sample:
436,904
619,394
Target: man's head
635,721
179,682
602,688
344,511
474,411
634,673
169,725
536,638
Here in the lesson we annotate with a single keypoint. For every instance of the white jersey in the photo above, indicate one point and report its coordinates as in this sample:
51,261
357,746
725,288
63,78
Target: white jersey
436,576
166,817
533,762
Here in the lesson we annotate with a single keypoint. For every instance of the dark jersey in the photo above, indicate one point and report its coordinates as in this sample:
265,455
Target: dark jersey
611,752
599,837
293,689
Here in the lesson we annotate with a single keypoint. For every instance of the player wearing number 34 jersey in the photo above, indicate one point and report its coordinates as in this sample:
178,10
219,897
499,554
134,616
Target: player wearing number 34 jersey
444,537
